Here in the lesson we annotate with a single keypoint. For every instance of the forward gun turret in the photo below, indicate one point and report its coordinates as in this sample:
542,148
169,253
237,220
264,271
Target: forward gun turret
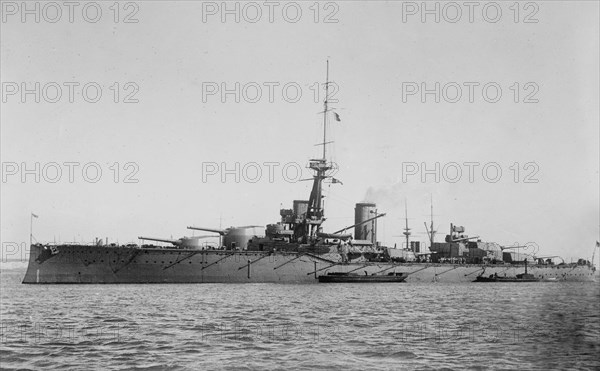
182,243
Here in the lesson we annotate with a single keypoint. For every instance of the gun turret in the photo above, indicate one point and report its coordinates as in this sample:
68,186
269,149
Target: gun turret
182,243
232,237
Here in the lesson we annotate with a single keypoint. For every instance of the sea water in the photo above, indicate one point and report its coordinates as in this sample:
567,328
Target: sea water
421,326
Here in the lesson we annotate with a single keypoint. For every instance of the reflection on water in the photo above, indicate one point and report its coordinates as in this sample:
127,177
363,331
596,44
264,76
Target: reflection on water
341,326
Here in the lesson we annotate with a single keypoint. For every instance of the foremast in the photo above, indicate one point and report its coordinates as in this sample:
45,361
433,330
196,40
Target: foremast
315,214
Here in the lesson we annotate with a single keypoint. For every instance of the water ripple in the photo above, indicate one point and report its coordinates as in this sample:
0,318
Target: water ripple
421,326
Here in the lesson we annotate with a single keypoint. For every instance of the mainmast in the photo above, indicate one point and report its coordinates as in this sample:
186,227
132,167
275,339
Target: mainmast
430,231
406,229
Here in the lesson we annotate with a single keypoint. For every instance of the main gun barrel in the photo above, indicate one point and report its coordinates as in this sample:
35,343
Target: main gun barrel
174,242
511,247
363,222
215,230
464,239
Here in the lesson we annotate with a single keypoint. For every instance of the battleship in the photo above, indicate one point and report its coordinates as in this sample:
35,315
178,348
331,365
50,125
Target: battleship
295,249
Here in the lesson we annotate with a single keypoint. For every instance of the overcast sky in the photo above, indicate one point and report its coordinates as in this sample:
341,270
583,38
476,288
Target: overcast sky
162,123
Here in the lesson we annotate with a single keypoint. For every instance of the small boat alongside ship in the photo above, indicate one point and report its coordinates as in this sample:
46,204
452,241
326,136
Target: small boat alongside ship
523,277
344,277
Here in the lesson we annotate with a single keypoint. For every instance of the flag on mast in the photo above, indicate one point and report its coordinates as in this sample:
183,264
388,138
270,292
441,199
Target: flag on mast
35,216
337,117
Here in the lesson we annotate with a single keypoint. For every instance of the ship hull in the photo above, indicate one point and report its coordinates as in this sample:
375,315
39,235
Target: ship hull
113,264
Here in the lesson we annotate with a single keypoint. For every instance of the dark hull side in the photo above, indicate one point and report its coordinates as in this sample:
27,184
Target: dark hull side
120,264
